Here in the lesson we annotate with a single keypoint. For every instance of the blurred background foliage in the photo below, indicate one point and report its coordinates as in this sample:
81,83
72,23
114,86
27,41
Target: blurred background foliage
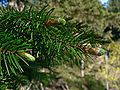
90,12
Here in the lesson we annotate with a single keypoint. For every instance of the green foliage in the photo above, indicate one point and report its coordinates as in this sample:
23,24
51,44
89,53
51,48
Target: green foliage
25,36
90,12
26,32
114,5
9,47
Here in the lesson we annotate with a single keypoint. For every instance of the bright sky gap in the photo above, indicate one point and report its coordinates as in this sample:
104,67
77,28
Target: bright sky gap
103,1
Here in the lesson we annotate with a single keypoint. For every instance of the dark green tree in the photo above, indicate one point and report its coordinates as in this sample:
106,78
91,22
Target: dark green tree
114,5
